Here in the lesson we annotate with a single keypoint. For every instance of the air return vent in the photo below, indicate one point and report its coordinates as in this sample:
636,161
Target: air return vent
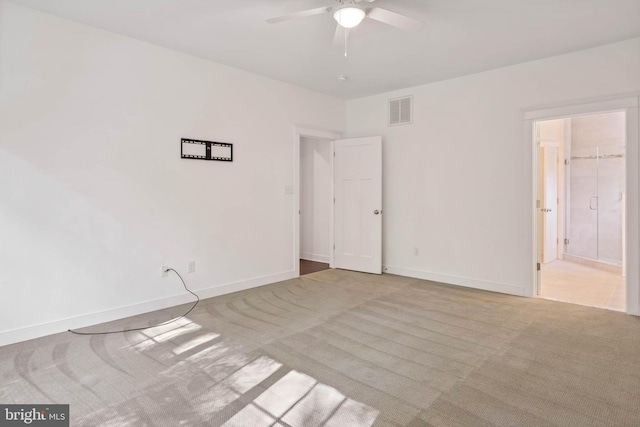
400,111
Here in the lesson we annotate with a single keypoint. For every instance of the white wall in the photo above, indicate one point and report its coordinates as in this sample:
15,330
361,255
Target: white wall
457,183
315,199
93,195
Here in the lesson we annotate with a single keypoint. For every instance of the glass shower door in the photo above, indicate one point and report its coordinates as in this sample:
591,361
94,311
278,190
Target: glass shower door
583,203
611,164
595,203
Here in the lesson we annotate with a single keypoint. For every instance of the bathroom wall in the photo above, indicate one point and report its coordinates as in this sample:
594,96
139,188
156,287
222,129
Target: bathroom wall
597,184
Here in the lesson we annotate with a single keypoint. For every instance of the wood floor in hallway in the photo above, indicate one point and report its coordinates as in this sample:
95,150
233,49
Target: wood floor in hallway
308,267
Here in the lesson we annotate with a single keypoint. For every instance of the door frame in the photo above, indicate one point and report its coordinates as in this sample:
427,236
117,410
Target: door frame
630,105
544,145
299,132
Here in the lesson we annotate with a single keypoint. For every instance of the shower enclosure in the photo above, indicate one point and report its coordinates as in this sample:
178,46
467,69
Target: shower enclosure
595,190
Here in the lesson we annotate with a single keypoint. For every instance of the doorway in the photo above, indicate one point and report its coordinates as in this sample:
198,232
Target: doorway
355,213
581,209
315,204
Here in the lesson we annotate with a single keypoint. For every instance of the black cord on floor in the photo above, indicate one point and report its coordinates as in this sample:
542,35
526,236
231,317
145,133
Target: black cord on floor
152,326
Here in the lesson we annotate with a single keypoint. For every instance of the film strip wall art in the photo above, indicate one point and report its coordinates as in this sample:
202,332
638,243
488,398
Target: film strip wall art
206,150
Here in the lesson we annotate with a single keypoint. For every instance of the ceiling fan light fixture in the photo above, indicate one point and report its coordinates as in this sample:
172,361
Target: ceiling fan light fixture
349,17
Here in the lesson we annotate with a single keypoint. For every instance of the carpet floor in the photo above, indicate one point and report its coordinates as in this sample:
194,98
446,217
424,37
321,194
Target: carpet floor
339,348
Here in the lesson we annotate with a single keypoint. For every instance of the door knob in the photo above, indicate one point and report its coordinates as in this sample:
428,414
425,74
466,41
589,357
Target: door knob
376,212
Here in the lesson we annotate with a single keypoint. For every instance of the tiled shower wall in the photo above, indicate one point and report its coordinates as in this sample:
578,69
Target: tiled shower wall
596,186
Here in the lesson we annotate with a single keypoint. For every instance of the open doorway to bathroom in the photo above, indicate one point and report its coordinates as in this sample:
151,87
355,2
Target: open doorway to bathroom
581,163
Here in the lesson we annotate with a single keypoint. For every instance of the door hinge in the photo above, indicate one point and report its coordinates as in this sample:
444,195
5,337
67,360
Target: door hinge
538,266
566,241
334,246
334,200
334,154
566,161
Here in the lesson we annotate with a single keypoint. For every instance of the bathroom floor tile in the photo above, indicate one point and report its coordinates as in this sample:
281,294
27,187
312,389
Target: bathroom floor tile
579,284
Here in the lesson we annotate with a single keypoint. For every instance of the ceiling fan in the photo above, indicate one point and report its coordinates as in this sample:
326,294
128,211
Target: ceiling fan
349,14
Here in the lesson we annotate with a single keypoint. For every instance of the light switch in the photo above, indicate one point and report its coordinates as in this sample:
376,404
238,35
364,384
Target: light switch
288,189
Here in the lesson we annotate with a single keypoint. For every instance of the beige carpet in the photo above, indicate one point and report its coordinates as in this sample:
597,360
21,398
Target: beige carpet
339,348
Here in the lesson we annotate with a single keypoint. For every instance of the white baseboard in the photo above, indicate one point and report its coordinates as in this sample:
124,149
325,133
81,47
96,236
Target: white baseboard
57,326
245,284
314,257
455,280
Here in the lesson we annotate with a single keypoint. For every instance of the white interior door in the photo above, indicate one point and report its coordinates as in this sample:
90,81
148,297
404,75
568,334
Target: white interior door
358,204
550,204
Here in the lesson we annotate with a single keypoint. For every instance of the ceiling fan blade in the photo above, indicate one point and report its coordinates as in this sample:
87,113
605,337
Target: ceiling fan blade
298,14
338,38
394,19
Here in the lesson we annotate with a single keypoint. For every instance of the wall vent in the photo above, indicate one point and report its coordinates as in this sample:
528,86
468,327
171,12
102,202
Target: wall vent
400,111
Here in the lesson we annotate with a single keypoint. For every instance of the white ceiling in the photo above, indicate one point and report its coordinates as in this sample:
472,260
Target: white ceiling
459,37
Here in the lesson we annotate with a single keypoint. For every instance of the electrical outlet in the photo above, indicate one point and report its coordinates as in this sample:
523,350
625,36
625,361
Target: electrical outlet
191,267
164,271
416,251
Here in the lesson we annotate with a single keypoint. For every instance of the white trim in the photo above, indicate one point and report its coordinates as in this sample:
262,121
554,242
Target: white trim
313,132
456,280
300,131
632,214
582,108
315,257
532,287
296,201
628,104
332,159
49,328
